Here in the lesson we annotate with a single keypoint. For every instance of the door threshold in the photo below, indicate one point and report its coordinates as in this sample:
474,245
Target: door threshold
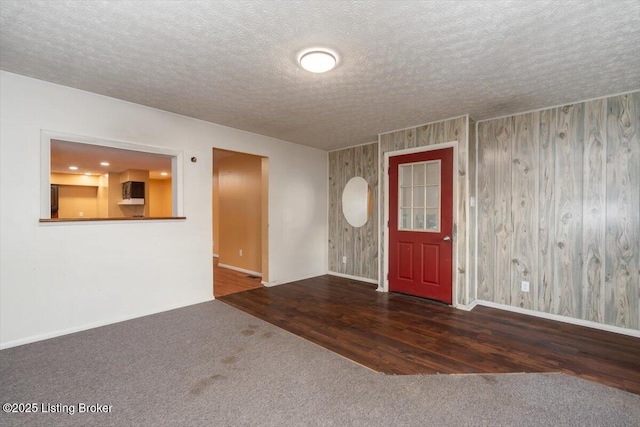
431,301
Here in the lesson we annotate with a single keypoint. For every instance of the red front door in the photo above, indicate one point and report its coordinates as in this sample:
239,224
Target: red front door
421,224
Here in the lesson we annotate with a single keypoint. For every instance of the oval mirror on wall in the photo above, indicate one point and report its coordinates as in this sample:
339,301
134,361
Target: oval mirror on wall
356,201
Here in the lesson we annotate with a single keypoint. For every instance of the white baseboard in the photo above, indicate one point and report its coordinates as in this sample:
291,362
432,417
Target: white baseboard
467,307
60,332
348,276
289,280
270,284
241,270
559,318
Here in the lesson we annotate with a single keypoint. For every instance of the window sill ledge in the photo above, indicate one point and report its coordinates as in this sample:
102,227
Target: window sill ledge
128,218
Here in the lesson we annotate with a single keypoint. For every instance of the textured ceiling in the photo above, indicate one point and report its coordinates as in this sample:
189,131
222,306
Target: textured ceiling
402,63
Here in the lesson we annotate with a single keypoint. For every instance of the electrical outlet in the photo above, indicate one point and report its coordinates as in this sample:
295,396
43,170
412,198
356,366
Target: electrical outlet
240,252
81,213
525,286
344,259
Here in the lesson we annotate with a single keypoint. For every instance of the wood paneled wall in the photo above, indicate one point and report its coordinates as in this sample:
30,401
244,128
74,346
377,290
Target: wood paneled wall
438,133
359,245
559,207
473,208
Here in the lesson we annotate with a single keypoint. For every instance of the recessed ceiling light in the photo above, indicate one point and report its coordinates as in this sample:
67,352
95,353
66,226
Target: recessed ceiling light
104,163
164,173
73,168
318,61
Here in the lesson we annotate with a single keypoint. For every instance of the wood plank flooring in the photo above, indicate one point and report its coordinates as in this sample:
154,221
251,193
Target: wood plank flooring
227,281
399,334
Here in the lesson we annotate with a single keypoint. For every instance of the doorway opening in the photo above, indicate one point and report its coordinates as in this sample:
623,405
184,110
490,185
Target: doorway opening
240,221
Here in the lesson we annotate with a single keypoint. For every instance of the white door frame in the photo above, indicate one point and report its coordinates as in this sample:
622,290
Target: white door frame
383,286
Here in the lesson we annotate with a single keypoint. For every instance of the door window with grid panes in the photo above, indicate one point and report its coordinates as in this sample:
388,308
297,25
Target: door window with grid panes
419,195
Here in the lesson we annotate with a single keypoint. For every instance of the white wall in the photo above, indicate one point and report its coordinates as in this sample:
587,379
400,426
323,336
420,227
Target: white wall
59,278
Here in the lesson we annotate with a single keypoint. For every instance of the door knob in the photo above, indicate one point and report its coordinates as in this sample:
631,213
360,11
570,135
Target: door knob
446,238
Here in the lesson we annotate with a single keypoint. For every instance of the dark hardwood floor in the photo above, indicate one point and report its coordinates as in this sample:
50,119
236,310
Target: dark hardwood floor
227,281
399,334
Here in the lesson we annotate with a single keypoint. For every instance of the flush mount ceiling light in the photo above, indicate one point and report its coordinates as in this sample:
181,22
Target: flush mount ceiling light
318,61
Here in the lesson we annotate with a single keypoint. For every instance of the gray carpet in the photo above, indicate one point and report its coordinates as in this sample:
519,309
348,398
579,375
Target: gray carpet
210,364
